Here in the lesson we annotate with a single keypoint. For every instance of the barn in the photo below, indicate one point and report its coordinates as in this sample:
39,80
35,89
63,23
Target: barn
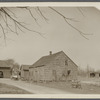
5,69
53,67
25,72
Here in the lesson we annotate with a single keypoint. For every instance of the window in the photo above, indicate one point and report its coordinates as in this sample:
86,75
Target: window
92,74
69,71
57,62
66,62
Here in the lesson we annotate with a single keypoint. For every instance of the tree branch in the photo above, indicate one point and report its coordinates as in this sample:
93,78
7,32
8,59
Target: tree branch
66,20
42,14
18,24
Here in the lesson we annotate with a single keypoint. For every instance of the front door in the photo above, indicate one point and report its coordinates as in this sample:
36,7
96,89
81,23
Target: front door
54,75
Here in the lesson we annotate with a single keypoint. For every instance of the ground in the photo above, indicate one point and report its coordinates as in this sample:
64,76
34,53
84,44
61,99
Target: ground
33,88
64,86
88,87
8,89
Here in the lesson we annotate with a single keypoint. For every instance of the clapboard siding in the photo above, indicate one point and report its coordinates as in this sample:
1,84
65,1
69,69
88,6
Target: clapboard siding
55,67
25,75
6,73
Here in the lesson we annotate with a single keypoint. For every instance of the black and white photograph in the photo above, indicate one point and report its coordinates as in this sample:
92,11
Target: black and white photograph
50,50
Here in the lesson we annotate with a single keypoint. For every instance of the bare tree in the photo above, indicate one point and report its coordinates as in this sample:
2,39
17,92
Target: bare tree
7,15
15,66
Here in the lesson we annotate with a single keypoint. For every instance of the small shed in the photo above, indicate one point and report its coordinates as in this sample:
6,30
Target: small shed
94,74
5,69
24,72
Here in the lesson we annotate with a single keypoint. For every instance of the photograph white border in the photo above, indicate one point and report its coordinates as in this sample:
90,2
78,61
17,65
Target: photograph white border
56,4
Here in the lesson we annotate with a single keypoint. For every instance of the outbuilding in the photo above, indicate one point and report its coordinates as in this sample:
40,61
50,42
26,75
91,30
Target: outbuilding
94,74
24,72
5,69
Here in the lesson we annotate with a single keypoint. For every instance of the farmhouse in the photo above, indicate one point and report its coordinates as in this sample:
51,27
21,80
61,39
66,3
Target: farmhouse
25,72
5,69
53,67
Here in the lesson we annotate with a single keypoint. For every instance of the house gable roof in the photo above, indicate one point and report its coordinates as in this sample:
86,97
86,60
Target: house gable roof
47,59
70,59
25,67
4,63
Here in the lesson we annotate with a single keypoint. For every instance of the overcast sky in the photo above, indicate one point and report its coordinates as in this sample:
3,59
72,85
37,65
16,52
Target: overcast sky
28,47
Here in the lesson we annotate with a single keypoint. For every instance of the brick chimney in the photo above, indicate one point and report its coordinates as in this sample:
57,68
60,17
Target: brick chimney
50,52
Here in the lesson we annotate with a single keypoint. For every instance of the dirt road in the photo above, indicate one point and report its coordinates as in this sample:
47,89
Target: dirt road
32,87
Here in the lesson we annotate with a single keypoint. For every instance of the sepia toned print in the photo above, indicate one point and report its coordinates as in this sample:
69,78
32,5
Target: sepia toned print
49,50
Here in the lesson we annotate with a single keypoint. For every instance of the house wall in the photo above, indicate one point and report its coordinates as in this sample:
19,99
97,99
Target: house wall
24,74
40,74
62,69
32,74
47,73
97,75
6,73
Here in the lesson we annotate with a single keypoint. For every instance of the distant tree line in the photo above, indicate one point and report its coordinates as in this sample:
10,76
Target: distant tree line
85,72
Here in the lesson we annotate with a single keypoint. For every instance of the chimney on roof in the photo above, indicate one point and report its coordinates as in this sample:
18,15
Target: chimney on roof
50,52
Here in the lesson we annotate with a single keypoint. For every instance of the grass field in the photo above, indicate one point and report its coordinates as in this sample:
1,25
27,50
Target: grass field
86,88
8,89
